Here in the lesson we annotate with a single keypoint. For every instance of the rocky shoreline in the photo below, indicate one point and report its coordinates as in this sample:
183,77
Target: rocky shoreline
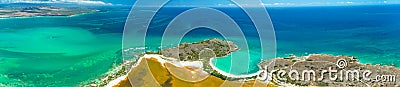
188,54
171,60
321,69
114,76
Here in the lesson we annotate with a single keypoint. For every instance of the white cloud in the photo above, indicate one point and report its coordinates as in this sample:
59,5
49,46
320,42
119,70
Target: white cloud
279,4
348,2
87,2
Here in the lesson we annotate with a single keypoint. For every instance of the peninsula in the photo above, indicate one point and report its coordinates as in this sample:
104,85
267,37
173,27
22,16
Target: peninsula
33,11
328,70
187,64
180,66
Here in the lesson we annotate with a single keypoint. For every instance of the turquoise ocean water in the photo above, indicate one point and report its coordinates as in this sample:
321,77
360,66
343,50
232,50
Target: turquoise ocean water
367,32
60,51
68,51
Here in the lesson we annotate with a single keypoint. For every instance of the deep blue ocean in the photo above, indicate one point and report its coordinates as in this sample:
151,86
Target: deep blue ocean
88,44
366,32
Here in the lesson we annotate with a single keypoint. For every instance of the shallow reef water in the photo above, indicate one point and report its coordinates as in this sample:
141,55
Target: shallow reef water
50,55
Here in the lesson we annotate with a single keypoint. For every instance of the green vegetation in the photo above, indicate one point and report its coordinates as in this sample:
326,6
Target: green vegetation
190,51
151,52
322,84
219,75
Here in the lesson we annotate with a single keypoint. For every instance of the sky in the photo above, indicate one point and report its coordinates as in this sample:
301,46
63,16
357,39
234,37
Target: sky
221,3
295,2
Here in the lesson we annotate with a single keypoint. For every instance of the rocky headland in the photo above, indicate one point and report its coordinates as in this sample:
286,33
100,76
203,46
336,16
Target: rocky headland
183,66
328,70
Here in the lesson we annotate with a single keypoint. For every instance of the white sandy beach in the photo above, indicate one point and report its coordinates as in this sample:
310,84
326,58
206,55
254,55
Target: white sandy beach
180,64
116,81
231,75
